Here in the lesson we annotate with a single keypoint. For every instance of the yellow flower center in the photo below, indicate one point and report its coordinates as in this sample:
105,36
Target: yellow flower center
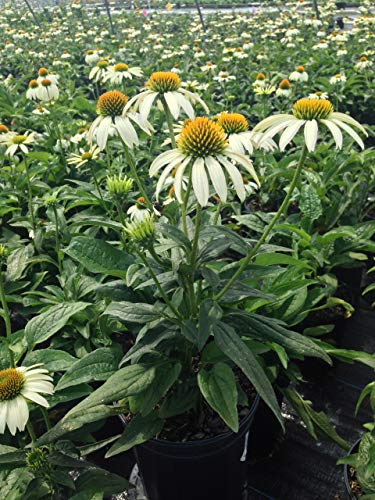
111,103
363,58
33,84
89,52
86,156
202,137
338,75
3,129
260,76
43,72
164,81
309,109
300,69
233,123
11,383
102,64
19,139
284,84
46,82
121,67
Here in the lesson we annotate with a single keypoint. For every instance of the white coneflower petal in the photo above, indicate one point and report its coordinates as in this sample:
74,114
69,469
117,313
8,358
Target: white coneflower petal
200,181
235,177
275,129
348,119
195,97
217,177
162,160
179,178
245,162
173,104
350,131
165,174
311,134
271,121
335,131
289,133
145,105
186,106
36,398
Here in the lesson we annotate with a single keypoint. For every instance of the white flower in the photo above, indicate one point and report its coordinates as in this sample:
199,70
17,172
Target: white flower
224,76
309,114
299,75
339,78
84,156
32,91
117,73
48,91
113,121
98,71
39,110
17,387
203,146
167,85
17,142
44,73
363,63
91,57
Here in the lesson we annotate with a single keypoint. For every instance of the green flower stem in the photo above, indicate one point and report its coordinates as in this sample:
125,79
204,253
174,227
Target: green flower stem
29,427
269,228
158,285
96,181
184,205
30,197
193,258
120,211
169,118
133,170
46,418
6,316
217,213
57,239
59,139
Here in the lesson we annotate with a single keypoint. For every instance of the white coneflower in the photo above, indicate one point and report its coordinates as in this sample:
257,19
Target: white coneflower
166,85
209,66
32,91
299,75
119,72
363,63
112,120
239,136
39,110
91,57
267,89
44,73
203,146
138,211
318,95
18,142
17,387
224,76
48,91
284,88
309,114
338,78
260,80
85,156
98,71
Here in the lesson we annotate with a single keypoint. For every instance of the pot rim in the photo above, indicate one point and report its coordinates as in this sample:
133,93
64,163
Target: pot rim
346,470
206,441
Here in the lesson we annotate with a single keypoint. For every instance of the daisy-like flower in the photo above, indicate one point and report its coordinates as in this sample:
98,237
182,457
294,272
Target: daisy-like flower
98,72
260,80
339,78
91,57
203,146
44,73
299,75
224,76
113,120
17,387
85,156
119,72
48,91
363,63
39,110
18,142
32,91
167,85
309,114
284,88
318,95
138,211
264,90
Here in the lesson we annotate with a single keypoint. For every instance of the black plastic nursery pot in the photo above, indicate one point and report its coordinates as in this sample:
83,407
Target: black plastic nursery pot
209,469
348,488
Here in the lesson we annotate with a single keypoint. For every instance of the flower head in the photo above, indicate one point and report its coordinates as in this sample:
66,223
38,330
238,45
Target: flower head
119,72
203,146
141,231
47,90
18,142
119,185
84,156
17,387
309,114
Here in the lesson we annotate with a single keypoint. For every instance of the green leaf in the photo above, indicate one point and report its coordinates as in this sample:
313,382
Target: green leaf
137,431
230,343
271,259
14,483
309,202
97,365
219,389
369,389
101,480
17,262
52,359
97,256
165,376
42,327
134,312
240,291
209,314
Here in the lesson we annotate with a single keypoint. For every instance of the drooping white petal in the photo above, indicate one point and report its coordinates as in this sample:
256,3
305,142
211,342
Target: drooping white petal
165,174
311,134
36,398
194,98
163,159
126,131
350,131
185,105
178,178
92,129
102,132
335,131
348,119
235,144
172,103
289,133
245,162
217,177
145,105
235,175
271,121
40,386
275,129
200,181
3,416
